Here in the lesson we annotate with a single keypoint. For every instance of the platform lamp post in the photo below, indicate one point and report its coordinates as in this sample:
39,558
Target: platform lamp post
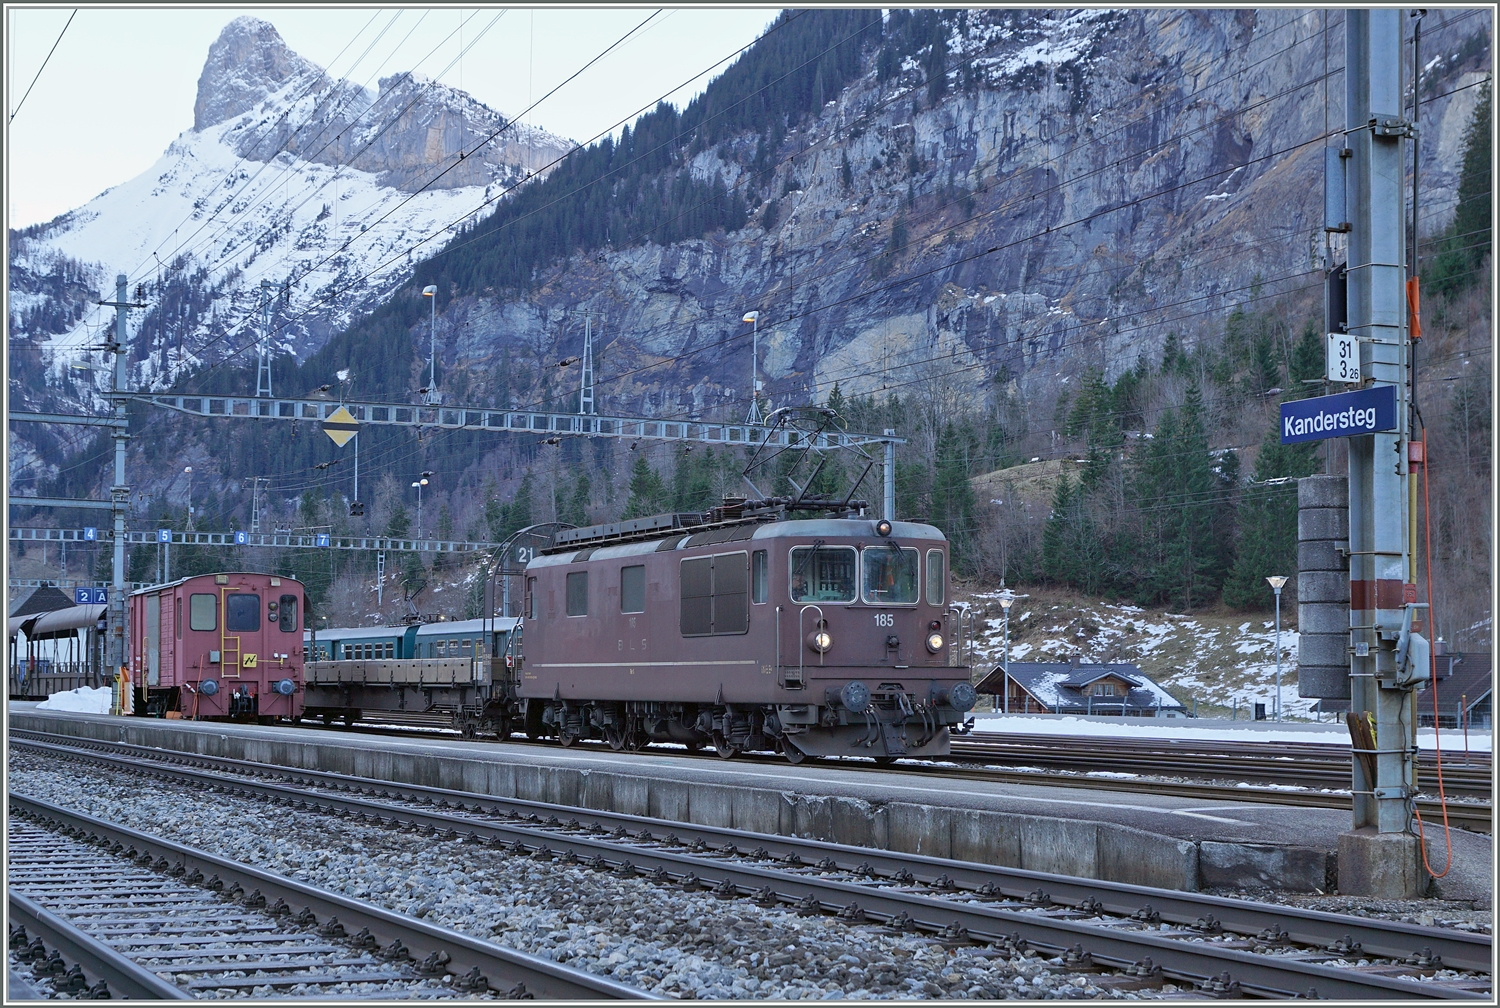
189,471
1006,601
430,291
1276,581
418,485
753,317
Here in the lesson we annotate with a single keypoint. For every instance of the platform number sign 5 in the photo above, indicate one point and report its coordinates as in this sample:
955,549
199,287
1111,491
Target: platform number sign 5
1343,358
884,619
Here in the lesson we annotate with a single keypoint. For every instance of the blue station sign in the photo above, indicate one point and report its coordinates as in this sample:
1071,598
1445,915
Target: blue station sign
1343,415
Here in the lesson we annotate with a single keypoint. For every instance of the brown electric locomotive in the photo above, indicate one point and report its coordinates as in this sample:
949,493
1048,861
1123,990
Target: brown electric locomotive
827,636
217,646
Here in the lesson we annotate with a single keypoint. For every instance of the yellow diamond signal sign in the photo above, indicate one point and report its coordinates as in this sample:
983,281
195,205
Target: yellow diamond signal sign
340,426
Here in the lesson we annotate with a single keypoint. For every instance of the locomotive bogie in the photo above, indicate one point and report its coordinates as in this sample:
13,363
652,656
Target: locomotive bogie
219,646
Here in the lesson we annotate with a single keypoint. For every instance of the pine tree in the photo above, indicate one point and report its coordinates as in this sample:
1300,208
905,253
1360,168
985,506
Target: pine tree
575,510
1467,241
648,494
846,173
1057,560
1267,520
953,497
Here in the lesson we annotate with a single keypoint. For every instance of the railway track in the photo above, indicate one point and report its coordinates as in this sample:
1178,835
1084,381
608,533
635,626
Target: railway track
1292,763
1138,934
1070,769
143,917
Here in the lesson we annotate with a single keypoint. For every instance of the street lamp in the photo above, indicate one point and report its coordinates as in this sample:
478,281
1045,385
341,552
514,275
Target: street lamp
753,318
1276,581
189,471
1006,601
430,291
419,485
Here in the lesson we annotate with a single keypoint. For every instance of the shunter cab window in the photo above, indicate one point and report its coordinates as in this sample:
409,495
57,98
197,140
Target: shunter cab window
760,577
937,577
203,612
286,614
714,594
890,575
241,613
633,588
578,593
823,574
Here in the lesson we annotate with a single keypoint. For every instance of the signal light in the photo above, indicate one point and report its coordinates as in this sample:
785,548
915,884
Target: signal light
356,509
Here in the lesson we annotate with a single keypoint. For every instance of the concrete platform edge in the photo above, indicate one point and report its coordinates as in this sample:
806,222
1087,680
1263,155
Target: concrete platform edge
1084,848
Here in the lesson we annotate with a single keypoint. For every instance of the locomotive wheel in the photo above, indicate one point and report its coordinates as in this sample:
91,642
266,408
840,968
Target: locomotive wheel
884,760
615,735
722,747
566,740
792,753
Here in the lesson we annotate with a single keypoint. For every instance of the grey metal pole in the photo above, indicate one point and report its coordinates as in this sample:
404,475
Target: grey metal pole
119,493
1380,856
1278,654
1006,675
888,495
432,371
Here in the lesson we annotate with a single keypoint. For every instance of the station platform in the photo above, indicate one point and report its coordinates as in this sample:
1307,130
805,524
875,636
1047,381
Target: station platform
1168,841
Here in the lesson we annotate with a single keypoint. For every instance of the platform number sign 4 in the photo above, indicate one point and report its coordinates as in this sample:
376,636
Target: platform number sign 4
1343,358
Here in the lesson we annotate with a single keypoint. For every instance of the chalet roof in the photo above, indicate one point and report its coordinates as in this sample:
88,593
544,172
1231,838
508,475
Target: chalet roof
1060,685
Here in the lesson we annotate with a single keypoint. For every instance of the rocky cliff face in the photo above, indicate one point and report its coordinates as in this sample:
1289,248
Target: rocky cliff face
1091,182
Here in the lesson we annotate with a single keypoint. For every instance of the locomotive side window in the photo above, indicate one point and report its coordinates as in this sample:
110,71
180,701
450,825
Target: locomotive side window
203,612
760,577
823,574
937,577
578,593
715,595
633,588
890,576
287,614
242,613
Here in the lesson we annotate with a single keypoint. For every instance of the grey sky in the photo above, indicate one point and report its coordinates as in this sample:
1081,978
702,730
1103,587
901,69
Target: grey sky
121,84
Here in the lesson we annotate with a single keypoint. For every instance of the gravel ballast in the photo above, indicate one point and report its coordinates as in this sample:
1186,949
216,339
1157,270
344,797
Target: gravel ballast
662,938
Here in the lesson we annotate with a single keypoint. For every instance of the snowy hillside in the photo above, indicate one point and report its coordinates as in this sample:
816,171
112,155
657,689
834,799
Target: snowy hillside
289,178
1219,659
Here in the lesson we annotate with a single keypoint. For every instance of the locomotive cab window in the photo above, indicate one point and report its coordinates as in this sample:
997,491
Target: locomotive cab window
760,577
633,588
890,575
286,614
823,574
242,613
203,612
937,577
578,593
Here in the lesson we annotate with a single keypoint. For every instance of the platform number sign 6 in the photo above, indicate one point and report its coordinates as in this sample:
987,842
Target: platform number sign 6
1343,358
884,619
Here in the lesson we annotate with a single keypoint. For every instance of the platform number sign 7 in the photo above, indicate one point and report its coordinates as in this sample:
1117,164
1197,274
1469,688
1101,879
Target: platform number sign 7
1343,358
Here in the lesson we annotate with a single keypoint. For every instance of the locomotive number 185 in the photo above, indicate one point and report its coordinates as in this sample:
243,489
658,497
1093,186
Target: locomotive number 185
884,619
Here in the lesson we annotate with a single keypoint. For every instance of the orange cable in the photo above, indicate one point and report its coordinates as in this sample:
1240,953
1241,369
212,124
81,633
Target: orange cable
1432,658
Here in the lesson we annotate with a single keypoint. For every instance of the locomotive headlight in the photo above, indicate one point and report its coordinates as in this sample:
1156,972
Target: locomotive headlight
883,528
935,642
820,640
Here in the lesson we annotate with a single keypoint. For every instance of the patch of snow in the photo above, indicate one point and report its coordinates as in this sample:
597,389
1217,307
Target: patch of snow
82,700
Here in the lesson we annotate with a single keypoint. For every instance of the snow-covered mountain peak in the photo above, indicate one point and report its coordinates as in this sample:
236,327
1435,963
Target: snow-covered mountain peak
247,62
